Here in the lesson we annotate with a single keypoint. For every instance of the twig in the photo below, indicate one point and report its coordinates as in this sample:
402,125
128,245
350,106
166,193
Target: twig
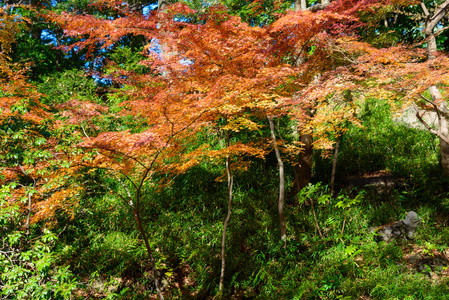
316,221
437,109
84,131
344,222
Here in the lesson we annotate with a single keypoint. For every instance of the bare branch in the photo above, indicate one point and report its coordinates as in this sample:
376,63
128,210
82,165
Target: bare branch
318,7
441,11
440,31
84,131
430,129
7,256
424,8
172,125
125,187
114,151
436,108
156,155
29,213
436,17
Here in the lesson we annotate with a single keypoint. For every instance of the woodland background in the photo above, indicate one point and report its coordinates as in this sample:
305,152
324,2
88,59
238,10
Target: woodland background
228,149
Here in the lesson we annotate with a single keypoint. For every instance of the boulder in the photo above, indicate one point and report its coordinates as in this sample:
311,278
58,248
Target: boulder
404,229
426,264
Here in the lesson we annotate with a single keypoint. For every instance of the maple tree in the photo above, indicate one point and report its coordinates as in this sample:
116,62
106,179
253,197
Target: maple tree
197,86
212,86
427,70
221,67
39,170
40,162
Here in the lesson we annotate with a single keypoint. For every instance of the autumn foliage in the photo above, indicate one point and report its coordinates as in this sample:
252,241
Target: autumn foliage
205,88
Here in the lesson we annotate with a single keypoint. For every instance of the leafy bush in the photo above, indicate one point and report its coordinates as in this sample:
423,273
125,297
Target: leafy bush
29,268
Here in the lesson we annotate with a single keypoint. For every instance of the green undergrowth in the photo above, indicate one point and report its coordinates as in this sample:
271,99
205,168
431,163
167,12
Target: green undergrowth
185,234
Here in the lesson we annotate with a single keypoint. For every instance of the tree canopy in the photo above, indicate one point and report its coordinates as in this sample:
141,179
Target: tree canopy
124,121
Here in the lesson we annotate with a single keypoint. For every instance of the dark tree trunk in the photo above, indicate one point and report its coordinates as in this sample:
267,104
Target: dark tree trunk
303,171
36,34
136,212
334,168
150,253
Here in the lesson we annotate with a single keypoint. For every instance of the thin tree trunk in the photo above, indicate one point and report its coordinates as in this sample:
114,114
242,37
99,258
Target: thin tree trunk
439,101
228,217
444,148
443,133
29,213
150,254
300,5
27,225
334,168
344,223
281,184
136,213
161,5
306,160
316,220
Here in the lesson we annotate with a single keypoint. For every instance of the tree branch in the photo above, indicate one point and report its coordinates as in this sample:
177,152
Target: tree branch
424,8
318,7
440,31
436,17
430,129
437,109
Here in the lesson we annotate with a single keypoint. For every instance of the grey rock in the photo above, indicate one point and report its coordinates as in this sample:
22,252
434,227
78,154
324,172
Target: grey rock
405,229
415,258
410,224
429,264
409,119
